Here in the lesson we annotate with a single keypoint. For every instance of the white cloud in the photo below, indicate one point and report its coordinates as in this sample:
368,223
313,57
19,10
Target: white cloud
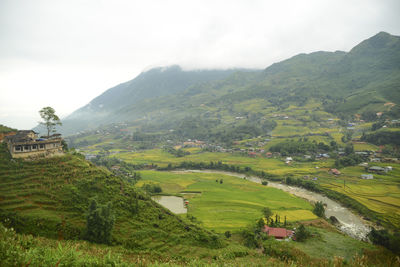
64,53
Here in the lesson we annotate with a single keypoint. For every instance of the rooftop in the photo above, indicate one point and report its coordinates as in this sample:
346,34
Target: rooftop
277,232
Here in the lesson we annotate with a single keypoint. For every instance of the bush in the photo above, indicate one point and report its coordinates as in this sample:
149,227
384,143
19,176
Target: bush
228,234
152,188
302,233
319,209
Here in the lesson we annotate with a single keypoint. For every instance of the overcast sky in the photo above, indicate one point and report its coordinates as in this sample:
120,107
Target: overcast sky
65,53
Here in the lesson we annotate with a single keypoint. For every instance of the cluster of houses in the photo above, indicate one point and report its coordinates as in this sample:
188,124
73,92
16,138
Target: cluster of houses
372,169
27,144
375,169
194,143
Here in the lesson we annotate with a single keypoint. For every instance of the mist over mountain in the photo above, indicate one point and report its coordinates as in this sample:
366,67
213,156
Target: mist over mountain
154,83
346,83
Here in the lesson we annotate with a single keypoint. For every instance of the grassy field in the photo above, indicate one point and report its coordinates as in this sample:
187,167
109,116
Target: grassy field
270,165
231,205
365,147
327,243
23,250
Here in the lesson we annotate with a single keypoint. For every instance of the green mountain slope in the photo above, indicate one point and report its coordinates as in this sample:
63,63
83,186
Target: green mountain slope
50,198
344,84
155,83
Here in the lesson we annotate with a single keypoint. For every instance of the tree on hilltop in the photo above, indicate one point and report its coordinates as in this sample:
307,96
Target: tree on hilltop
50,119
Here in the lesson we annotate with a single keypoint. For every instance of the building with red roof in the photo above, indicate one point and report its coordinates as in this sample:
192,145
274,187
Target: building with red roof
278,233
335,171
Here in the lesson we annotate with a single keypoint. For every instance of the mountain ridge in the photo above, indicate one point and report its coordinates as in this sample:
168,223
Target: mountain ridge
369,70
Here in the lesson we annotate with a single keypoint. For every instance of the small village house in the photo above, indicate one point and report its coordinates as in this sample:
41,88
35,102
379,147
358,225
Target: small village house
278,233
376,169
26,143
252,154
367,176
375,160
334,171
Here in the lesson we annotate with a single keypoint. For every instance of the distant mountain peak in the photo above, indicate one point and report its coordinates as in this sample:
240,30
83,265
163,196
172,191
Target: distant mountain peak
173,67
378,42
382,33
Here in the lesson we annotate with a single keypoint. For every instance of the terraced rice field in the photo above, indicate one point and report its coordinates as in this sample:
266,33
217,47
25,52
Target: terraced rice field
36,189
381,194
232,204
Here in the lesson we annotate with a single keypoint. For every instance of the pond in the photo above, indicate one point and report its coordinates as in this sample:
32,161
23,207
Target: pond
174,204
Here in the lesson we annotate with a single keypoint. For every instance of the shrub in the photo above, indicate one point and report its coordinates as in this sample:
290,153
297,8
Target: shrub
302,233
319,209
228,234
152,188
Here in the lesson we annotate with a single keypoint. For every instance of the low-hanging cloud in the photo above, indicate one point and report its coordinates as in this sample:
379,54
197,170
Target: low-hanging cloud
64,53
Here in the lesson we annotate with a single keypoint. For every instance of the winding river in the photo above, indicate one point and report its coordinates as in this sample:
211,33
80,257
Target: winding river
350,223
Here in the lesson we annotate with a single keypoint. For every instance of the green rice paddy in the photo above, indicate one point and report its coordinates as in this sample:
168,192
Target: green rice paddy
232,204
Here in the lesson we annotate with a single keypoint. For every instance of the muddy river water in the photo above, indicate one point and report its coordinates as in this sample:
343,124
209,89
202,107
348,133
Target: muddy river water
350,223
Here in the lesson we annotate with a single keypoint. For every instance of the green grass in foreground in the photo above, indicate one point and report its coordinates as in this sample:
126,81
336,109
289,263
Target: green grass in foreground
331,244
327,248
231,205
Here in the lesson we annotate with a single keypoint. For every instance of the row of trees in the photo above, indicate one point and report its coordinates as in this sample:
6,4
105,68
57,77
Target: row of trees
383,138
302,146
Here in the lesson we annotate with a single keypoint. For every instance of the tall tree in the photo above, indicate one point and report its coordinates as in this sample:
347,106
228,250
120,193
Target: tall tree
50,119
267,213
99,222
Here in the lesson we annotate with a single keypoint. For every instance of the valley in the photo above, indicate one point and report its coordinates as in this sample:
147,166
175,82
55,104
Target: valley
297,164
